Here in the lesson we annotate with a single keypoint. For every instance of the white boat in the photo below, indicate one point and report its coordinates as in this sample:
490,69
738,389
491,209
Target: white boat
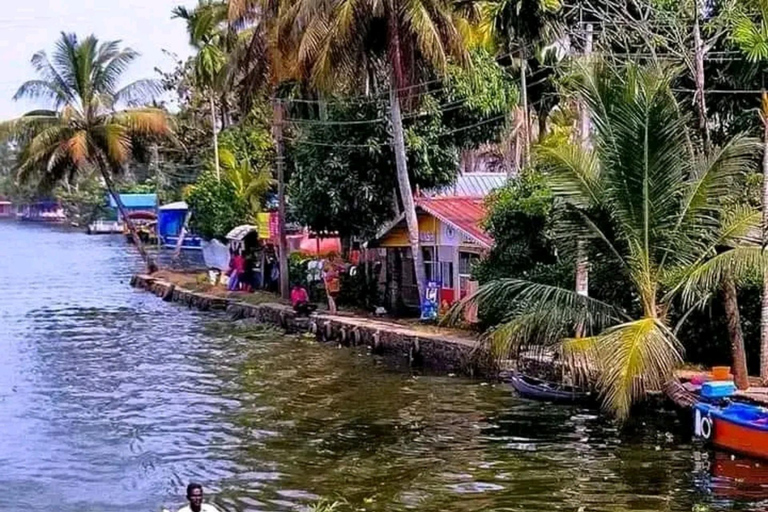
105,227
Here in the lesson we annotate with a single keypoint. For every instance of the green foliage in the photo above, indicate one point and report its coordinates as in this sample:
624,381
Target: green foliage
344,178
646,202
251,139
216,206
518,220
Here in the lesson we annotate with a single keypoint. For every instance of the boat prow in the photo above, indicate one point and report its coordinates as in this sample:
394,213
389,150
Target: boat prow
737,427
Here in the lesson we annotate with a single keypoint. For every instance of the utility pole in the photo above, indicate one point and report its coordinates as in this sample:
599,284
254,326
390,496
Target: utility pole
215,138
277,130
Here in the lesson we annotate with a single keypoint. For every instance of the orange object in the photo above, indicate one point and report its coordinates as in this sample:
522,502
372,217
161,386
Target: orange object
721,373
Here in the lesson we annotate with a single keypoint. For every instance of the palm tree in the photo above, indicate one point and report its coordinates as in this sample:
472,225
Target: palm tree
85,127
208,34
341,44
250,185
644,199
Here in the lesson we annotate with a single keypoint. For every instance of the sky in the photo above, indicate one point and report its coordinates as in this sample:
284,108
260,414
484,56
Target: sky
31,25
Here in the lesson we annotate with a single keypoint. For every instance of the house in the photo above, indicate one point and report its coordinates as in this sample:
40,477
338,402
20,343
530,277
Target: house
135,203
42,211
6,209
451,236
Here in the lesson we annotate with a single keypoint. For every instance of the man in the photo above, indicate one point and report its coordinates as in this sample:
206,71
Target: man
195,497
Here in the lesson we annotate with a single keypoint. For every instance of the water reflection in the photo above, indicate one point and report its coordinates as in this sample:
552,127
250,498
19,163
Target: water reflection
112,400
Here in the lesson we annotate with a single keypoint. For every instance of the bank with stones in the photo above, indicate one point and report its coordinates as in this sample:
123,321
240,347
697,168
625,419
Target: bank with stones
435,352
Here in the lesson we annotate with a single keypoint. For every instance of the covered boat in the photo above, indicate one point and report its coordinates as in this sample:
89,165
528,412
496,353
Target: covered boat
737,427
537,389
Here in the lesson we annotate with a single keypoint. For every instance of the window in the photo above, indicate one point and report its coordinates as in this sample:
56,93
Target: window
429,263
467,261
446,274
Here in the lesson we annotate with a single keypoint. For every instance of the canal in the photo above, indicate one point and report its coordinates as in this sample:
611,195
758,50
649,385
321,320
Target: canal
111,400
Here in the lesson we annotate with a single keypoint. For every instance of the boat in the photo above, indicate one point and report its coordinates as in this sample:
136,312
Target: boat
105,227
734,426
538,389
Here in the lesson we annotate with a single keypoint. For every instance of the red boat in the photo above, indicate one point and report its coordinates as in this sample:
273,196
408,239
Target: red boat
737,427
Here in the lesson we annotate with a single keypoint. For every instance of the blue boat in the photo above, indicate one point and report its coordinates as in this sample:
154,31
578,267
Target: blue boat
170,221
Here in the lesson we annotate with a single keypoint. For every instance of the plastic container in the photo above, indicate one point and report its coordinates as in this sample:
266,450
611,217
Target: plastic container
721,373
718,389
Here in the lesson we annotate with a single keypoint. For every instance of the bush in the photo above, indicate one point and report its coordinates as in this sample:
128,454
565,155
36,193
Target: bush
216,207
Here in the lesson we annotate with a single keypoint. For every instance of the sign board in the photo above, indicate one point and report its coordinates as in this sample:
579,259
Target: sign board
426,237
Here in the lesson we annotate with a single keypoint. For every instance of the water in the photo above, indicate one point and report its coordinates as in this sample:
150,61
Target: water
113,400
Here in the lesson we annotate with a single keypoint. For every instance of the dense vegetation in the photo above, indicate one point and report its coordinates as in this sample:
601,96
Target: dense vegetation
636,151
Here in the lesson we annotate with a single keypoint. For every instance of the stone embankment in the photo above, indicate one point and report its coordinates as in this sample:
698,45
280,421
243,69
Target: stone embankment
437,352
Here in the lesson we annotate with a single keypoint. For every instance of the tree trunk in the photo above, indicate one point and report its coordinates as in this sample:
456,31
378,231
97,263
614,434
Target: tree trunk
148,260
526,117
738,354
215,139
764,304
277,130
542,119
406,192
698,75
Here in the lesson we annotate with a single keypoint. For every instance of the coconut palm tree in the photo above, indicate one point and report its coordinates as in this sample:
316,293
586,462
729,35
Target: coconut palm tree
92,122
340,45
209,35
643,198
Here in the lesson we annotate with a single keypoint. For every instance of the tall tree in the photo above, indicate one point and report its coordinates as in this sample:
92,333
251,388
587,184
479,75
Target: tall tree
208,34
341,45
91,122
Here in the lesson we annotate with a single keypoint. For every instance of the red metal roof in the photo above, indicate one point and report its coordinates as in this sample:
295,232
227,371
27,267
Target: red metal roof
463,213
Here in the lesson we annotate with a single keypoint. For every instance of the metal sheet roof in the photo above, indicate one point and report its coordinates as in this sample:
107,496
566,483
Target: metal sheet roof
180,205
464,214
240,232
478,184
148,201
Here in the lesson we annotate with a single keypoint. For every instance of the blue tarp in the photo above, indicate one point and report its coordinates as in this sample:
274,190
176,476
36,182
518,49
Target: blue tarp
136,201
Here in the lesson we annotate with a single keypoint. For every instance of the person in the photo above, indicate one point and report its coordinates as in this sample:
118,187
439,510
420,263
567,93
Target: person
236,270
332,281
195,498
300,300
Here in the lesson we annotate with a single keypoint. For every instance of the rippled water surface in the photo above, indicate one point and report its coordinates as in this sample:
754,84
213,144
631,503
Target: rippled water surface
113,400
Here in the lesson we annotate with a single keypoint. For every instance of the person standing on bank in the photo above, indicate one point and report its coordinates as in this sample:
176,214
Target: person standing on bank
195,497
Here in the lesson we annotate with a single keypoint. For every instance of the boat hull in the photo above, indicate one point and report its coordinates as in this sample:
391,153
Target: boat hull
729,431
536,389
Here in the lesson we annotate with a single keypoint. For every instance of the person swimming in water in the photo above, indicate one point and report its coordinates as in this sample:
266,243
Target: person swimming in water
195,497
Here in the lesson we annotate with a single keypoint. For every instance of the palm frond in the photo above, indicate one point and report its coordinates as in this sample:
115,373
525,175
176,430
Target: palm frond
706,276
139,93
635,357
149,122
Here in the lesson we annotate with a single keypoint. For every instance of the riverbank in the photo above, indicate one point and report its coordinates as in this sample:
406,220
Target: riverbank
432,348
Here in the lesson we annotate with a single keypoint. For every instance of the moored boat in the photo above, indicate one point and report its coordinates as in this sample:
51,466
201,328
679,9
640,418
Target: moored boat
538,389
737,427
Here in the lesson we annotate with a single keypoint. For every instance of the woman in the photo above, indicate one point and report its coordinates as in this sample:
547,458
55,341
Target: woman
236,271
